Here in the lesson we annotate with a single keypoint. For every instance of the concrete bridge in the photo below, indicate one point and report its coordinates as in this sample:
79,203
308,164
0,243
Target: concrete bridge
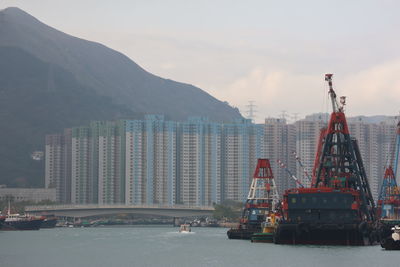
95,210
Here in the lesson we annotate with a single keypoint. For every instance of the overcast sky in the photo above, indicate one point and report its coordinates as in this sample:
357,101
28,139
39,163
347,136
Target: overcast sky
273,52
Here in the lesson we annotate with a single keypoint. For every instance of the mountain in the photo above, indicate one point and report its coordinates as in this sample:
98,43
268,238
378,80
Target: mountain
38,98
109,72
50,81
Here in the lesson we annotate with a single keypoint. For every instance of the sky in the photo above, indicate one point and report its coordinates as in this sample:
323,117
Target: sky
272,52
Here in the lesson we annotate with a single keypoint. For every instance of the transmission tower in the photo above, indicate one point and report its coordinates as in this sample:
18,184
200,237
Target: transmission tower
294,117
284,115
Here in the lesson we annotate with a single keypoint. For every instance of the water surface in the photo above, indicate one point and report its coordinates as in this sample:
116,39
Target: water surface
164,246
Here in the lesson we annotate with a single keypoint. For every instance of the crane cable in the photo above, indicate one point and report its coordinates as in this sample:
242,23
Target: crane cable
283,166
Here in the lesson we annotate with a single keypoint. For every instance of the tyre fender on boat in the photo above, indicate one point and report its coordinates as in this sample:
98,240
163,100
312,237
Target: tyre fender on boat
340,226
363,228
302,228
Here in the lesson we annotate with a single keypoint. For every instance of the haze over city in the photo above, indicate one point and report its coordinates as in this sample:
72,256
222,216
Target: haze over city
273,52
186,133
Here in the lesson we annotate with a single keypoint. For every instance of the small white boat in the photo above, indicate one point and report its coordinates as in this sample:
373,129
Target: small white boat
185,228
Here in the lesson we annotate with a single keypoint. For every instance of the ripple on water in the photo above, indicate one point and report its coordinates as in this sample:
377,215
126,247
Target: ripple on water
165,246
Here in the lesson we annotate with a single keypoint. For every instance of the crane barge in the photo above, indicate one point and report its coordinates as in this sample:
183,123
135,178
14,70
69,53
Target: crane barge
388,208
261,201
338,208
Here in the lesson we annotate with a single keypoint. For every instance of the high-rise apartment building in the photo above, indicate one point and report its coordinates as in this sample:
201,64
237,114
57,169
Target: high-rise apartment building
108,164
150,161
279,144
199,179
367,135
97,174
135,163
80,166
160,142
54,155
58,165
242,145
307,136
197,162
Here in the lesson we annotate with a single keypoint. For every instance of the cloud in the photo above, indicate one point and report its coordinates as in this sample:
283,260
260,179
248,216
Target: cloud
255,85
275,91
261,72
375,90
371,91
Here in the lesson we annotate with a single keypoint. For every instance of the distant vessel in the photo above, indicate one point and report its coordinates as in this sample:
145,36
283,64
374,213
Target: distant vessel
261,201
185,228
21,222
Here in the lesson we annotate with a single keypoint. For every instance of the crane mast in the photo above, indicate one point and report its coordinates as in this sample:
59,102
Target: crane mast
332,94
397,149
339,164
335,105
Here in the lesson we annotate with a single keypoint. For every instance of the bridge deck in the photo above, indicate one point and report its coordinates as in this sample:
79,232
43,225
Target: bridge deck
93,210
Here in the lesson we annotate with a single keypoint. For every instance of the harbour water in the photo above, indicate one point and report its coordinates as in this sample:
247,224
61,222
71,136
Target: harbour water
164,246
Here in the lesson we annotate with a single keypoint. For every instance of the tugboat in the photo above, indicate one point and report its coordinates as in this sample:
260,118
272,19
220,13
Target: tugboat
16,221
268,230
338,208
260,202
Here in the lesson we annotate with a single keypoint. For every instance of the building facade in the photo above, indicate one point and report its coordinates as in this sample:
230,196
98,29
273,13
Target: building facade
58,165
199,179
368,135
243,143
279,144
195,163
35,195
150,161
307,136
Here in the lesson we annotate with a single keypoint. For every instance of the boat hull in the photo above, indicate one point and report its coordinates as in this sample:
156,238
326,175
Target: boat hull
49,223
240,234
390,244
262,238
323,234
324,216
22,225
